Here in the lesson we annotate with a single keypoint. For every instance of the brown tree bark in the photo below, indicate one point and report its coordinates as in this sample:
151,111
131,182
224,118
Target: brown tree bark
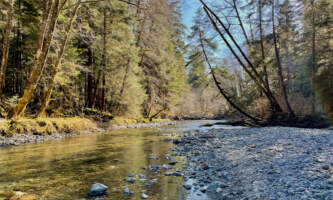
51,10
314,68
55,68
102,96
90,79
6,44
18,52
313,49
278,62
262,44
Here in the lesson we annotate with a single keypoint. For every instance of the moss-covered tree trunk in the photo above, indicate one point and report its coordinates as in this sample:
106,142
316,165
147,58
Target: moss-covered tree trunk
55,68
49,21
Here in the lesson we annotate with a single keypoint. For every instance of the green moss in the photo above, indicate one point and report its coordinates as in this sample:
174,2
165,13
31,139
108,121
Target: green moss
46,126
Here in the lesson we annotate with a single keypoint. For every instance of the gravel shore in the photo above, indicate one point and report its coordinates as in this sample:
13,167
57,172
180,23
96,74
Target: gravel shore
258,163
20,139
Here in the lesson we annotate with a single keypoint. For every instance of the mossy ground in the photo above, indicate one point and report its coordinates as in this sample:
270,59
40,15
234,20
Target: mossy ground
49,126
45,126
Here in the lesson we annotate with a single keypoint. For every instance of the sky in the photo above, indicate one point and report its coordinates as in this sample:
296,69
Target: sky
188,8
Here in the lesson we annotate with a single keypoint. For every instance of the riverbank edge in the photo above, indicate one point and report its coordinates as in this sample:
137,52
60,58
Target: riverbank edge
27,131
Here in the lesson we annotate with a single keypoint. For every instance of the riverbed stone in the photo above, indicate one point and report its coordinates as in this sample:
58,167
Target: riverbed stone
127,191
259,163
187,186
130,180
97,189
144,196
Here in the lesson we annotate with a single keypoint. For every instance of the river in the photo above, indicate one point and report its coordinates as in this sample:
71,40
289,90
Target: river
65,169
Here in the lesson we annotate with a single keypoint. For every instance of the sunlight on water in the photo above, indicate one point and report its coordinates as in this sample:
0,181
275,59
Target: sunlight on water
65,169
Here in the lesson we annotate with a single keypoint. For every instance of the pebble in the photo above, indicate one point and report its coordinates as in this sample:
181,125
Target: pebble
144,196
187,186
97,189
127,191
258,163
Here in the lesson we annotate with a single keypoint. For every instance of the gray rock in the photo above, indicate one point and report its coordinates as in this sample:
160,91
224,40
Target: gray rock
326,167
154,158
144,196
187,186
130,180
97,189
127,191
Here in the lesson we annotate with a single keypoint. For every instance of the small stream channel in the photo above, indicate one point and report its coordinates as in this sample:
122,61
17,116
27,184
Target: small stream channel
64,169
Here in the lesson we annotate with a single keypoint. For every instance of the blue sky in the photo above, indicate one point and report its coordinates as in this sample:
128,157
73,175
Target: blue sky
189,7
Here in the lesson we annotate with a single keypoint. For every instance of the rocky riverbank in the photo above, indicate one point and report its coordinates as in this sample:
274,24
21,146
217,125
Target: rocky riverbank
19,139
258,163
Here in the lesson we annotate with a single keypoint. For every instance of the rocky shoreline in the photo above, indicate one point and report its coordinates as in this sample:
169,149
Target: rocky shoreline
258,163
20,139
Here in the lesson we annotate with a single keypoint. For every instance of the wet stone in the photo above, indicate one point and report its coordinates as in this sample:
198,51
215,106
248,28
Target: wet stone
97,189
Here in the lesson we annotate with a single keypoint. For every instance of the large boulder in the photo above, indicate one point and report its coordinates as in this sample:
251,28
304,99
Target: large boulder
97,189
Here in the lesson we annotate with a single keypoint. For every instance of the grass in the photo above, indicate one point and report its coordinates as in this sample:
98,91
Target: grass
49,126
45,126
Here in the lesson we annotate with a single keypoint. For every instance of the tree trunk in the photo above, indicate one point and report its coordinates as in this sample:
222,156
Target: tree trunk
241,24
125,78
18,58
313,39
40,55
96,89
238,83
262,44
6,44
90,85
55,68
313,46
278,62
102,96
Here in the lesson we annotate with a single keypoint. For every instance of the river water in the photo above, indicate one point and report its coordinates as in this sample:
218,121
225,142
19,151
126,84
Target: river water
64,169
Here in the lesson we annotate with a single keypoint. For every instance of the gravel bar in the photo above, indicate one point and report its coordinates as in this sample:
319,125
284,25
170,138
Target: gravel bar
258,163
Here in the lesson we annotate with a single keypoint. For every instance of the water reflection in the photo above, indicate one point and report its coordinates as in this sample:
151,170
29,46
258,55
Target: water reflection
65,169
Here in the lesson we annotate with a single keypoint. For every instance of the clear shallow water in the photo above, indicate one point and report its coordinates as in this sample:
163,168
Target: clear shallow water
65,169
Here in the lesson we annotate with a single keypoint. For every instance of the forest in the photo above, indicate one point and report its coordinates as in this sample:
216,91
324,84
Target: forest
136,59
